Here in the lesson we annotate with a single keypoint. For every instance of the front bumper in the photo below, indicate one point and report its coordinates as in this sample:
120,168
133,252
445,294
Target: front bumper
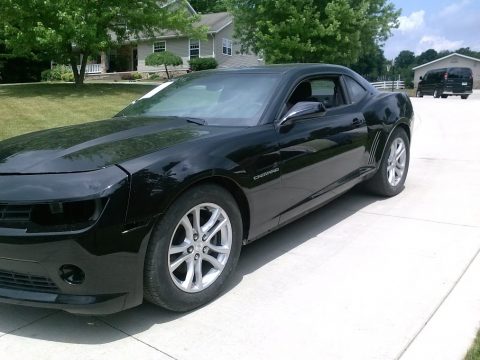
109,253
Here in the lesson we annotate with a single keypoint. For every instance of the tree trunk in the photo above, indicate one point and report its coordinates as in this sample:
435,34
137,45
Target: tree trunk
83,65
166,70
73,64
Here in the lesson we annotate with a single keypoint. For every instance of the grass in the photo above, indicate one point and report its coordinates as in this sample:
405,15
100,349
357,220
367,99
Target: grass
474,352
27,108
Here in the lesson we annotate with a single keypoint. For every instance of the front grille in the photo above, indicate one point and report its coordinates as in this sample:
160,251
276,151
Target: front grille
18,281
15,213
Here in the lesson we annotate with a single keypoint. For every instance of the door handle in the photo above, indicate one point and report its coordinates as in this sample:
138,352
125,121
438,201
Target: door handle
358,122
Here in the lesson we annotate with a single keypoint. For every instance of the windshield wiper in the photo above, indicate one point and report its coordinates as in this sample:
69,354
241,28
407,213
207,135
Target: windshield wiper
197,121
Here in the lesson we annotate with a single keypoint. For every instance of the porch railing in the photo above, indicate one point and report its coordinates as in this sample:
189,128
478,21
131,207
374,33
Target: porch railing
91,68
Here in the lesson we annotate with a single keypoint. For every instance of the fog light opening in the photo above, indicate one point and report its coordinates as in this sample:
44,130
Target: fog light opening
71,274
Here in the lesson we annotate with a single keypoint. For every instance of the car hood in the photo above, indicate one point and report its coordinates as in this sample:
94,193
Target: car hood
96,145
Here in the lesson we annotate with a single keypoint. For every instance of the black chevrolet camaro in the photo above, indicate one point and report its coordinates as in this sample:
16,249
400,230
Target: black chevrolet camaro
157,202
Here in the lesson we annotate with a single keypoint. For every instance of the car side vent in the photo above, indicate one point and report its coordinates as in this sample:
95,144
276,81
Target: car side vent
15,213
373,148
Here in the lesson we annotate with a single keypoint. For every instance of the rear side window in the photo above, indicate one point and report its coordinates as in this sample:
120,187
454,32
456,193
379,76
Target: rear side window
459,73
357,91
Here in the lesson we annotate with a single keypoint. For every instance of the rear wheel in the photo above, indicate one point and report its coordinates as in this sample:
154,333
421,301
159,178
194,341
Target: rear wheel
464,97
392,172
436,94
194,249
419,94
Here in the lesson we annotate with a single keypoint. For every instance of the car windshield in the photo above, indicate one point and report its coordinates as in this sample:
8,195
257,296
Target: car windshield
225,99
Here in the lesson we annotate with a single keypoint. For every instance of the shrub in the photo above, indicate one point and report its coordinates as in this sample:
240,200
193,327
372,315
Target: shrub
131,76
137,76
199,64
57,73
164,58
46,75
154,77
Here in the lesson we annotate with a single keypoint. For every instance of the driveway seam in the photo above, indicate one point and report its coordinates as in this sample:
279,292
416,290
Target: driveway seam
418,219
438,306
30,323
135,338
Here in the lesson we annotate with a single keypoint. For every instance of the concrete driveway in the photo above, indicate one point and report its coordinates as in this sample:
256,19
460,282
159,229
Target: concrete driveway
363,278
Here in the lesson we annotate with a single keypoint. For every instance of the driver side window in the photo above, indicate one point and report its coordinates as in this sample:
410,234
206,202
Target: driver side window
326,90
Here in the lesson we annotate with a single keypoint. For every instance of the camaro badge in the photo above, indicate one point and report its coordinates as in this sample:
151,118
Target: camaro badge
270,172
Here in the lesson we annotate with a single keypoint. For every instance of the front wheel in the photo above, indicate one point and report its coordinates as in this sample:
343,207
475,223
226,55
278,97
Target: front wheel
464,97
419,94
392,172
436,94
194,249
444,96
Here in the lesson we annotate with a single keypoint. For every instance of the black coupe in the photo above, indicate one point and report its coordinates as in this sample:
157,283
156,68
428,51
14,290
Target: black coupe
157,202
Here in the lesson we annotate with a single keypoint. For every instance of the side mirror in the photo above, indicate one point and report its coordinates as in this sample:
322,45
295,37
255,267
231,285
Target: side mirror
421,77
302,108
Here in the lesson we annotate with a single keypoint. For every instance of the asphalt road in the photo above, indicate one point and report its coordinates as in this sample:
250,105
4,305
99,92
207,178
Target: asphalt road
363,278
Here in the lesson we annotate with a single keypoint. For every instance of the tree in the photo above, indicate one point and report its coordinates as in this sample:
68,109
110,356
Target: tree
404,63
426,56
371,65
209,6
69,30
405,59
165,58
337,31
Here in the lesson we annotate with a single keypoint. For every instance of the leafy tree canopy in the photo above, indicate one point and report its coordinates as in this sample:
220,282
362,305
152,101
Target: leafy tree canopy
62,30
371,65
405,59
336,31
165,58
209,6
426,56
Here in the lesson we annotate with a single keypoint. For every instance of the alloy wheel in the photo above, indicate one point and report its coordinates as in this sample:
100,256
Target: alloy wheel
396,161
200,247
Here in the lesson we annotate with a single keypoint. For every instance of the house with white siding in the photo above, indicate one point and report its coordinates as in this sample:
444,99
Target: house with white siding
219,44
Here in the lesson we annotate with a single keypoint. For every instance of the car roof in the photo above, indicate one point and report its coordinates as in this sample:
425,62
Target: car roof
286,69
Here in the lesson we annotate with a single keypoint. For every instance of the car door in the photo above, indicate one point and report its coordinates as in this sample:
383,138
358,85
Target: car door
322,151
427,83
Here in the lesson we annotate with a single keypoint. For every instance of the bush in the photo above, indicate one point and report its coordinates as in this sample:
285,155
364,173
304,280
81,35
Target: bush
154,77
199,64
58,73
137,76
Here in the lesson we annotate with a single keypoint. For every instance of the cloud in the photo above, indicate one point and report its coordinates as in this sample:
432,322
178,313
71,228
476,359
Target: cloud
438,43
454,8
412,22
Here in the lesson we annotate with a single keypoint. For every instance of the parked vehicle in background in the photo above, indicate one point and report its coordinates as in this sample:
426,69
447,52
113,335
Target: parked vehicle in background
444,82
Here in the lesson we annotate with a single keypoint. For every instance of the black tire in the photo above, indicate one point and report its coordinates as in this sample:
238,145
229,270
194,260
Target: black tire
419,94
436,94
159,287
464,97
379,183
444,96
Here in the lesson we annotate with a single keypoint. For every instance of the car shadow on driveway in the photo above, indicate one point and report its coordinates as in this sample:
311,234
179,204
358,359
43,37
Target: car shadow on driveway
105,329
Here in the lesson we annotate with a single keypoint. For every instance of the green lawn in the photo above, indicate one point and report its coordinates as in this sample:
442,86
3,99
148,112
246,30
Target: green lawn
26,108
474,352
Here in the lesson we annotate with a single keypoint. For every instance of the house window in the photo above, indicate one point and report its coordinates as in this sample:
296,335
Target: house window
227,47
159,46
194,49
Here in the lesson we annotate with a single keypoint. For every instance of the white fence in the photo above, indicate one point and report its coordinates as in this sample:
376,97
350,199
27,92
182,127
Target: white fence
389,85
90,68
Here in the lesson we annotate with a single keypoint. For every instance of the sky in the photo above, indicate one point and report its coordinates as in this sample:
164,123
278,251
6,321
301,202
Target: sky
437,24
